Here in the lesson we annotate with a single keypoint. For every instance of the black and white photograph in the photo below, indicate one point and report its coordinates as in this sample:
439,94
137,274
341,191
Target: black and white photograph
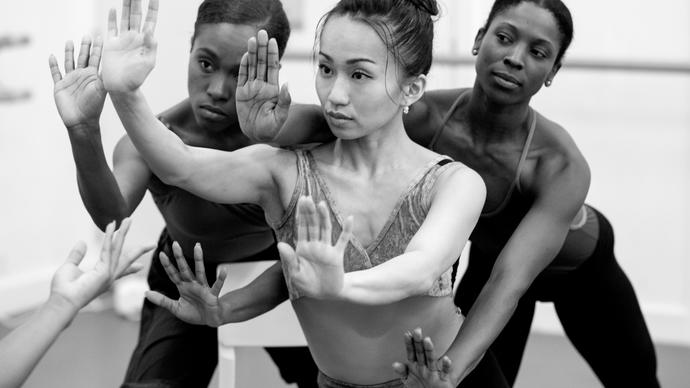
345,194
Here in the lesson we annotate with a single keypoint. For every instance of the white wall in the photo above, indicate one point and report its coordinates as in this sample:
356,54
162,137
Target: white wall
634,129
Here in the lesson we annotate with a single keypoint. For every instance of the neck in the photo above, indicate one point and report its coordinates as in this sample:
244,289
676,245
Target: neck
495,121
376,153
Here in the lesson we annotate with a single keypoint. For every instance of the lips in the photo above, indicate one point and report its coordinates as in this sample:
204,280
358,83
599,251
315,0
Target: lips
338,115
214,109
506,79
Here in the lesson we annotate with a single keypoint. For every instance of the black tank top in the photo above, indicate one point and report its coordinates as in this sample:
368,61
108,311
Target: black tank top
226,232
496,226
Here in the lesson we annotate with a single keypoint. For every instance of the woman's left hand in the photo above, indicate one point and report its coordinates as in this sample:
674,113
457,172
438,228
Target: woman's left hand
316,267
422,369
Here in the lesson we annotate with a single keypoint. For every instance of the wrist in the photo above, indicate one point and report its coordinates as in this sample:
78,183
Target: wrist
123,94
86,127
60,309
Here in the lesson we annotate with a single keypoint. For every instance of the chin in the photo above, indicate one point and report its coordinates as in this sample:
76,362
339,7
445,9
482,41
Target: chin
345,134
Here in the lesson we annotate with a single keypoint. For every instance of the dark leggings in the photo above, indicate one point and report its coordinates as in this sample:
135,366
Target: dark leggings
597,307
171,353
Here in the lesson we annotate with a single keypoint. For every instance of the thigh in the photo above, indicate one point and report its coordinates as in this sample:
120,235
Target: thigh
487,374
170,352
509,346
601,316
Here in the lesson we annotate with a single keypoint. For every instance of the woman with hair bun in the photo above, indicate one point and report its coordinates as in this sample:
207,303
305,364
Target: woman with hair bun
370,224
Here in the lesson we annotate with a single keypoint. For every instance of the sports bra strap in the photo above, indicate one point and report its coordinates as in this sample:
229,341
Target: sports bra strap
445,119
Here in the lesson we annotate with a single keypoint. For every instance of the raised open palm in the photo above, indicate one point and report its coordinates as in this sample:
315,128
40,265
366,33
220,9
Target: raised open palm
79,95
198,304
316,266
423,369
79,287
262,106
130,55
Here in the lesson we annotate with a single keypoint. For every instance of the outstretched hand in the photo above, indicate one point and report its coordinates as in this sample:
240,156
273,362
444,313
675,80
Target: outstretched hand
422,369
130,54
262,106
198,304
77,287
316,266
79,95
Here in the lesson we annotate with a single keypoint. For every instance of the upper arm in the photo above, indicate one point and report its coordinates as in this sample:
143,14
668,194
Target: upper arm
560,186
131,172
247,175
454,210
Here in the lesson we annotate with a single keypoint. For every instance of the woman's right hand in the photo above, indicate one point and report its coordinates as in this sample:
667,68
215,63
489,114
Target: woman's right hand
79,95
130,55
262,106
198,304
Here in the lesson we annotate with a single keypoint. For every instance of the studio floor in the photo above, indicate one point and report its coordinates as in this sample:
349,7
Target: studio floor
94,350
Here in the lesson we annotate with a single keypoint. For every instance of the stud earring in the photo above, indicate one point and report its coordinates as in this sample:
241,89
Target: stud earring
547,83
475,51
406,109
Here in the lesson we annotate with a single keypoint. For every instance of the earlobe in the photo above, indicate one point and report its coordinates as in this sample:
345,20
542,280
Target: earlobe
552,74
478,41
414,90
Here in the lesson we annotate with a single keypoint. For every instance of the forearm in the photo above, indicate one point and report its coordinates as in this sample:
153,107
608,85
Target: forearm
399,278
263,294
166,154
486,319
23,348
98,188
305,124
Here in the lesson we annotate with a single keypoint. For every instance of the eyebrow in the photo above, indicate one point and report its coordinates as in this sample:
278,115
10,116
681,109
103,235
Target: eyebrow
349,61
208,52
537,40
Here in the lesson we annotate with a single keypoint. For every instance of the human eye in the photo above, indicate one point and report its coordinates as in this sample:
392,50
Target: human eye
540,53
359,75
325,69
205,65
503,37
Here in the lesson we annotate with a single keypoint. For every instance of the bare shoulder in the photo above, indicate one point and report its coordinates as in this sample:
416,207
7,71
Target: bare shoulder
559,165
125,150
458,178
426,115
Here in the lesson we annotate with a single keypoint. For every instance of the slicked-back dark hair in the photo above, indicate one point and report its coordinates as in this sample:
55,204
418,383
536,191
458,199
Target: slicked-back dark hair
559,11
264,14
405,26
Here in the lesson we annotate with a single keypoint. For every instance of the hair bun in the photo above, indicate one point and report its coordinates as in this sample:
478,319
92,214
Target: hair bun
428,6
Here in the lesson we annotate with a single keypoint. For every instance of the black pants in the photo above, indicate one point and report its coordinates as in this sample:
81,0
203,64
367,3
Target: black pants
596,305
171,353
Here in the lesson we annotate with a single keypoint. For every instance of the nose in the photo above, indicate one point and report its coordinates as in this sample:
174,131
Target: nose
514,58
220,87
338,95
